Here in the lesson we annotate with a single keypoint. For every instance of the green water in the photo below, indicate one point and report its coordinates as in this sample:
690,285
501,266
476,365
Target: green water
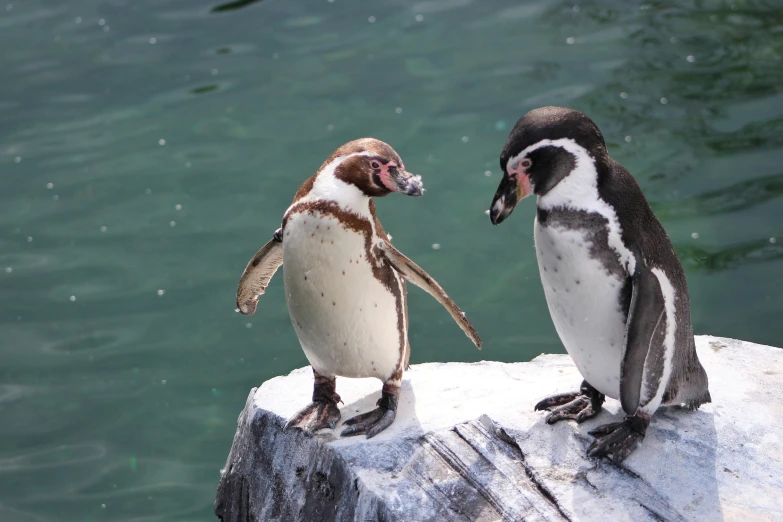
119,403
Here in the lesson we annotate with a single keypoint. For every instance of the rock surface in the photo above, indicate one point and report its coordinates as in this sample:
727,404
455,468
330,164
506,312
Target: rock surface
467,446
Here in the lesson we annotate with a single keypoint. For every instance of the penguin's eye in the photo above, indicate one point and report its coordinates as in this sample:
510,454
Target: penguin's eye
375,165
526,163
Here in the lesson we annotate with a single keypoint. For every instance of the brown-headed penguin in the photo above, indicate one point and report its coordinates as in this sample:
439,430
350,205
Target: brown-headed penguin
345,282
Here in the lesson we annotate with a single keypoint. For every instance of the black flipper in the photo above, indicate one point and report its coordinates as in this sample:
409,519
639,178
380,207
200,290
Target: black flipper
645,315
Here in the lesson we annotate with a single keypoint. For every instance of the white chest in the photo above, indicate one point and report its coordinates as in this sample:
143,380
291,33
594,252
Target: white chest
347,321
584,302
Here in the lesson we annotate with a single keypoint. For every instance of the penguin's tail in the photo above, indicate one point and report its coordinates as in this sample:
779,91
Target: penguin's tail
689,384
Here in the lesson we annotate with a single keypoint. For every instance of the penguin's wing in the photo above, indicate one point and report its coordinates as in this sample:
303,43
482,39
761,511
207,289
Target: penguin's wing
646,316
258,272
416,275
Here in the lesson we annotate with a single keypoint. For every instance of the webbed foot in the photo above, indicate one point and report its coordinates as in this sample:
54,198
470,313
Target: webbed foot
578,406
375,421
617,440
315,416
322,412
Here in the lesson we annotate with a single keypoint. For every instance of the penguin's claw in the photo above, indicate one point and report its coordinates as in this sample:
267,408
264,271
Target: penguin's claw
617,440
559,399
372,423
579,410
315,416
577,406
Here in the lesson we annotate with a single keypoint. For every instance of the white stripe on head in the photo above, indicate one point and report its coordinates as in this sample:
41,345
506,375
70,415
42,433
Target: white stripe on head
329,187
579,191
670,308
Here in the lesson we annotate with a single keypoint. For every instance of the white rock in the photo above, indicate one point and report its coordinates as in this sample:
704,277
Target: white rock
467,446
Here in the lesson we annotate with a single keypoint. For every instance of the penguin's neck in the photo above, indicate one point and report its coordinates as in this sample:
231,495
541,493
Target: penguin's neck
328,187
579,189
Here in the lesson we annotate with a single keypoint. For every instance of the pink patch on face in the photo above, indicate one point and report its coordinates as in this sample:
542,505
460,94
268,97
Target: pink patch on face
386,176
523,180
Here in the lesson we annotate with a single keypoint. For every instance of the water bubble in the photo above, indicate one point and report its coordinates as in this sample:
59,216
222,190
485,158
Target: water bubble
673,39
148,191
398,110
664,101
18,159
106,28
103,228
695,235
249,325
55,197
101,22
691,58
330,1
575,9
163,381
172,223
177,207
623,95
103,506
161,291
771,240
419,18
465,139
153,40
73,298
187,164
436,246
78,19
8,269
486,212
628,139
330,127
500,125
50,185
213,72
371,19
30,239
275,56
161,142
570,40
487,173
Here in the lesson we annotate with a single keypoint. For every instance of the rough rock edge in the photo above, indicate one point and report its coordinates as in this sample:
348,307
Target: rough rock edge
475,470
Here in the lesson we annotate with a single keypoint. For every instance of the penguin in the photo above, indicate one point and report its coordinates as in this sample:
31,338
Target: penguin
345,282
614,286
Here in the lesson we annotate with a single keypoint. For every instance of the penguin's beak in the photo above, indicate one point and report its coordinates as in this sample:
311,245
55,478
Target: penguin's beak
402,181
510,191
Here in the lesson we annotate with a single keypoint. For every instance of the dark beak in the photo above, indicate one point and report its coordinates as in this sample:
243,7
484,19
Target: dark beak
505,200
406,183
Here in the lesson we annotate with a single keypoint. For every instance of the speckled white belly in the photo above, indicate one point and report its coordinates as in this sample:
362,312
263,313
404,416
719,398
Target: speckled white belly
583,300
346,320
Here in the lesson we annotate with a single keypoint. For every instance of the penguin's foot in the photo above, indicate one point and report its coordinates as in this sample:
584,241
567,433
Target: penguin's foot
315,416
578,406
617,440
322,412
375,421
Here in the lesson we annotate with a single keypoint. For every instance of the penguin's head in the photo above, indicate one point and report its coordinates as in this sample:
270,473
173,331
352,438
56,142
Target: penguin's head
374,168
544,147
